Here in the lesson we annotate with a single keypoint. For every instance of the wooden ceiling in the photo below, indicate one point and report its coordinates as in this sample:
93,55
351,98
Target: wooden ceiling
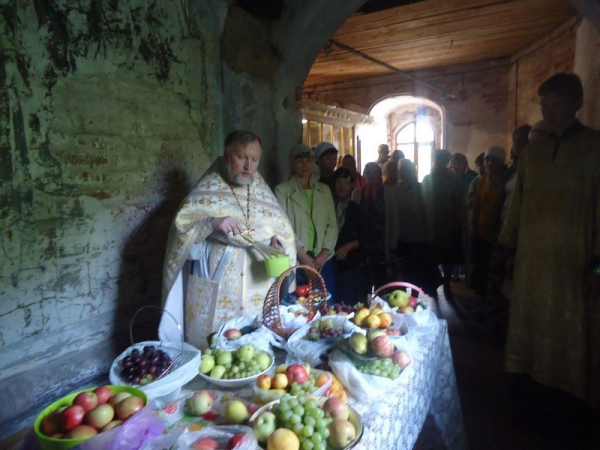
434,33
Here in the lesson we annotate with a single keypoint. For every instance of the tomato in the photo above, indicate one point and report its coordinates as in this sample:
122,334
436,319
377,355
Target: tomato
303,291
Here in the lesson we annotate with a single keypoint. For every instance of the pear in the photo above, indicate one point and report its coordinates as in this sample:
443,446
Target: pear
359,343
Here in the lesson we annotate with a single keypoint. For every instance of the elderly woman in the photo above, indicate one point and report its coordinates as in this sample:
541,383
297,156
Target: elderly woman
348,252
309,206
379,223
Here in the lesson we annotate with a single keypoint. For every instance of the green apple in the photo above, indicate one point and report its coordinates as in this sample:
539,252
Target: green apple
263,360
207,362
264,425
217,372
372,334
398,298
246,352
225,358
358,343
236,412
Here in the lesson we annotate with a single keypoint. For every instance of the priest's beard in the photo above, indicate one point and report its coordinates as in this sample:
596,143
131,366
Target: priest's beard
238,179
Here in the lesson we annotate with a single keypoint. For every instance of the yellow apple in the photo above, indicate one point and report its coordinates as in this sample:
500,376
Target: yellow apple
360,316
385,320
280,368
264,382
372,321
321,380
279,381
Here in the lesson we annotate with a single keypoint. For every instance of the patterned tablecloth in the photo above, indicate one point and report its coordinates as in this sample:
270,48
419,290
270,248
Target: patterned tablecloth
428,395
395,421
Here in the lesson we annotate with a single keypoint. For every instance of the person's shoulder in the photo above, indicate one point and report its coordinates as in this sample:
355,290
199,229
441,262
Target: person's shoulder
284,185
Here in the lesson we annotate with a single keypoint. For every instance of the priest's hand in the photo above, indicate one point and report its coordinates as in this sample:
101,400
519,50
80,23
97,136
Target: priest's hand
591,285
276,244
227,225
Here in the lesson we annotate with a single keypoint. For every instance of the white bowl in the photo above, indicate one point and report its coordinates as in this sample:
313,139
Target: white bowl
236,383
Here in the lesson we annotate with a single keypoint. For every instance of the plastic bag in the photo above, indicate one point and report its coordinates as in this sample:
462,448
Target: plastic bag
360,385
133,434
168,387
311,351
221,434
262,338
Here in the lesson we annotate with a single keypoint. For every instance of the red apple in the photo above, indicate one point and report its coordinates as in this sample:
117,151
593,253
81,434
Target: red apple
128,407
296,373
205,444
51,423
234,441
303,291
232,334
87,400
110,425
71,417
402,359
382,346
82,431
100,416
104,394
336,408
412,302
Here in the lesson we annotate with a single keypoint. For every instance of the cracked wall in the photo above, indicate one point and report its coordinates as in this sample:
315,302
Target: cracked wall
108,112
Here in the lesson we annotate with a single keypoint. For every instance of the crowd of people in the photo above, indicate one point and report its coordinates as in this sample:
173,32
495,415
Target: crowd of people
527,232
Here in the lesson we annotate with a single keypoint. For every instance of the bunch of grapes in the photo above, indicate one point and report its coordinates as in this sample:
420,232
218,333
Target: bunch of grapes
380,367
146,366
322,329
241,370
342,307
308,387
305,418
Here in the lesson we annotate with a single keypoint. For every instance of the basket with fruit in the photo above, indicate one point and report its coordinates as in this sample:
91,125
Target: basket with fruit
312,303
304,421
312,341
369,364
105,414
158,368
293,379
404,298
234,368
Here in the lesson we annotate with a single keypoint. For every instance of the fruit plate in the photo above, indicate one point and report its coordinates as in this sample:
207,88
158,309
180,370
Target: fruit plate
268,395
354,419
236,383
50,443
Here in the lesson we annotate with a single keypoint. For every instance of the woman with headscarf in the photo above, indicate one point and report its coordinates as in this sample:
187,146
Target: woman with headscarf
348,252
309,206
413,247
378,226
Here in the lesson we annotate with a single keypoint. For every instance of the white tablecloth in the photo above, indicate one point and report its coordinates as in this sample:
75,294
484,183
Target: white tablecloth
395,421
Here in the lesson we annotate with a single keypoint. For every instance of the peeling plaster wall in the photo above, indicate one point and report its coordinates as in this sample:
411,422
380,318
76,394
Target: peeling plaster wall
108,112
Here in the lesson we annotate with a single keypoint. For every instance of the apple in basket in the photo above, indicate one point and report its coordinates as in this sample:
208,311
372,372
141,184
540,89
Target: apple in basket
264,425
232,334
296,373
398,298
382,346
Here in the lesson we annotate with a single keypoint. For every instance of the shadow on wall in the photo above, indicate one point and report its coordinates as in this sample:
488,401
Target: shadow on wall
140,277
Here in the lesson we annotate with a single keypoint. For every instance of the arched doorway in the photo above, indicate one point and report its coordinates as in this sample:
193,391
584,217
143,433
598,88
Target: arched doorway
414,125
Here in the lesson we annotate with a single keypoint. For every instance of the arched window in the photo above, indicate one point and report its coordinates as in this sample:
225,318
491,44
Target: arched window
416,140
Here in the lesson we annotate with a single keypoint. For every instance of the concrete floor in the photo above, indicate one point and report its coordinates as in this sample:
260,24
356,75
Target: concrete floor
478,353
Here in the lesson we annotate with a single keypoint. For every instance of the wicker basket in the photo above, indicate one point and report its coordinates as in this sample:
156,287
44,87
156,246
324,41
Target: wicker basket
271,318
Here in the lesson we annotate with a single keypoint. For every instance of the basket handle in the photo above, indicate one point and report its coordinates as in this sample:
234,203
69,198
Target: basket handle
164,311
399,284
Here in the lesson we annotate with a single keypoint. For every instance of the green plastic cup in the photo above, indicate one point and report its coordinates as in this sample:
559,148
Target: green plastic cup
277,265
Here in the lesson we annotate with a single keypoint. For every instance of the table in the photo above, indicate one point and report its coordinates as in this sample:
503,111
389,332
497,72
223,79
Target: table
395,421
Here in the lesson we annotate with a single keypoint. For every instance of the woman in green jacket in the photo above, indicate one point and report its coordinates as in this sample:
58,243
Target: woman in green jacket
309,206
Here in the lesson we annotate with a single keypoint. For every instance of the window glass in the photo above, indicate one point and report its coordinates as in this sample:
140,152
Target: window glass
406,134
